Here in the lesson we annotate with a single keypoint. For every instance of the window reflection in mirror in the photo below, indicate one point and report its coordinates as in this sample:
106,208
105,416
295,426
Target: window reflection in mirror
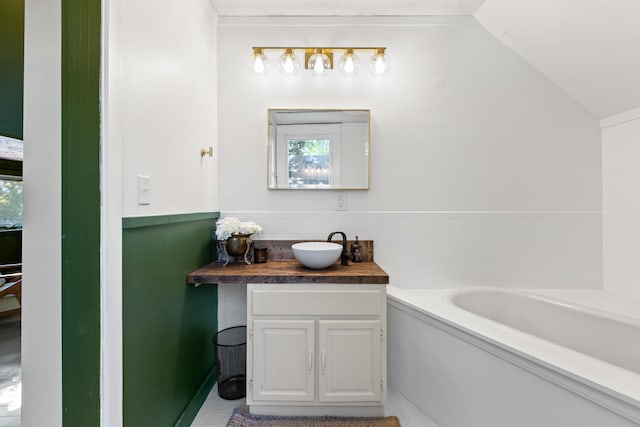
318,149
309,162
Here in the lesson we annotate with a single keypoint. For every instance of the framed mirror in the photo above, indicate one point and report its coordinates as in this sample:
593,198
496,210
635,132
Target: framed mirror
318,149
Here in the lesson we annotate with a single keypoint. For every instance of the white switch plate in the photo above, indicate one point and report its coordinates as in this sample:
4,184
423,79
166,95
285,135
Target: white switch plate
144,190
341,201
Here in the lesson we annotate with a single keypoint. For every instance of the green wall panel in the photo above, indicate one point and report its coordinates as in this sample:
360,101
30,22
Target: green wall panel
10,246
168,325
11,67
10,167
80,68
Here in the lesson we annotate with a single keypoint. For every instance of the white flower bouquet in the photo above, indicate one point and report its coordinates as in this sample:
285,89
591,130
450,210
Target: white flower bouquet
229,226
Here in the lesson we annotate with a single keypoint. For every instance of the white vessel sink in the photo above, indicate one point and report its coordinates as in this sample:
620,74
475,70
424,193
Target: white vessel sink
317,255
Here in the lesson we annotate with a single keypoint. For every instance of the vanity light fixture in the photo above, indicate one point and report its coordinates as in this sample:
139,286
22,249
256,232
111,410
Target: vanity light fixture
319,60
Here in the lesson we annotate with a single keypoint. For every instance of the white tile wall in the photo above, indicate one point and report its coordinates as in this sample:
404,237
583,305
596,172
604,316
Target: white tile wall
621,200
232,309
450,249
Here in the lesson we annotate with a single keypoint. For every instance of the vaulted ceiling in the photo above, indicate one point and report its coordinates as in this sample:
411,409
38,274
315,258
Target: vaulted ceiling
589,48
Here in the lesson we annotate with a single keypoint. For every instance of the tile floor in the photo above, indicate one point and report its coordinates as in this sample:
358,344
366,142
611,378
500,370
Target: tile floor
215,412
10,379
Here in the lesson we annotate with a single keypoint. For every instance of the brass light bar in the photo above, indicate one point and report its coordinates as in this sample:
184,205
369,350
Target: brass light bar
326,50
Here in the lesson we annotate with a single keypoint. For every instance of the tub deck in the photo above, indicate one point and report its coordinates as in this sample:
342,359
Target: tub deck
604,377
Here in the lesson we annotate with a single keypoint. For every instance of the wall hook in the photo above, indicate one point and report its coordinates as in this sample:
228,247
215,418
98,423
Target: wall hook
204,152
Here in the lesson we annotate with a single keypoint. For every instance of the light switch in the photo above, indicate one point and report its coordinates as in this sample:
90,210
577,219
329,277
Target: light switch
144,190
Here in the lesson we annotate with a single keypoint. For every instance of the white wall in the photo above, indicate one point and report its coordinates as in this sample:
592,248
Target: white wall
621,203
159,95
483,171
42,258
163,105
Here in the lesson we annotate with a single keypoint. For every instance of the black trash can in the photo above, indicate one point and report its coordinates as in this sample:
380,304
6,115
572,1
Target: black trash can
231,362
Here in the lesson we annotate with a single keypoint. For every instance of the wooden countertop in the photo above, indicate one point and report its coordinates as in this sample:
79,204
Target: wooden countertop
289,271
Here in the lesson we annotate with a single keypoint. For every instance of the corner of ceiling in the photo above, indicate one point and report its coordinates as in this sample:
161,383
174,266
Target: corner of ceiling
583,48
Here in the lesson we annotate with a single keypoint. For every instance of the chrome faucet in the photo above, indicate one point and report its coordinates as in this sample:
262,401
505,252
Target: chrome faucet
344,257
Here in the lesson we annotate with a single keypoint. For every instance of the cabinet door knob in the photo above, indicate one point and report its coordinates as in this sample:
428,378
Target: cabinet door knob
323,361
309,360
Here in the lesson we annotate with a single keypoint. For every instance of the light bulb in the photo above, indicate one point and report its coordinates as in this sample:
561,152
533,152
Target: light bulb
379,64
288,67
319,64
258,63
349,64
288,63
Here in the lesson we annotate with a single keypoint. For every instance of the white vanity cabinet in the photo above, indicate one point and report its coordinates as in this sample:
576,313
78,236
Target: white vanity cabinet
316,348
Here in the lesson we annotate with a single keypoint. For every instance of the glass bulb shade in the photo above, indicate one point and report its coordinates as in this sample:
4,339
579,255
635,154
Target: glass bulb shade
349,64
288,64
258,64
379,64
319,64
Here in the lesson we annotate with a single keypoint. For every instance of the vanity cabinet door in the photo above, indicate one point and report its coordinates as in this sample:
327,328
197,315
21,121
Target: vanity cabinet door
284,360
349,360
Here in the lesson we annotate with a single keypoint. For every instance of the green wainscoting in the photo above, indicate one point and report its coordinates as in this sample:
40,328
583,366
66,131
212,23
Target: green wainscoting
168,357
11,67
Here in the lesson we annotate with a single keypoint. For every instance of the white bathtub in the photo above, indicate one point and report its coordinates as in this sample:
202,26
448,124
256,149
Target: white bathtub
516,359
